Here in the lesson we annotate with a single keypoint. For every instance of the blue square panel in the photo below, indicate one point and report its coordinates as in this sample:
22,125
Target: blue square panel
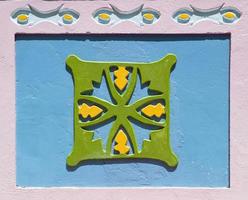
199,104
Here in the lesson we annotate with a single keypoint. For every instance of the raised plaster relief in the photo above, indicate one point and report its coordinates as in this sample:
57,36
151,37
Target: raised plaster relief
29,16
113,16
91,112
219,15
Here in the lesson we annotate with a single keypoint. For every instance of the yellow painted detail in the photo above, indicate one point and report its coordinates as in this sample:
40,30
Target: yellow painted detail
230,15
121,140
121,75
184,16
91,111
149,16
154,110
22,18
104,16
68,17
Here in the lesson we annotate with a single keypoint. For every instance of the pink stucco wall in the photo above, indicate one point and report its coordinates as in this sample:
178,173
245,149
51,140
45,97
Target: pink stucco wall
238,96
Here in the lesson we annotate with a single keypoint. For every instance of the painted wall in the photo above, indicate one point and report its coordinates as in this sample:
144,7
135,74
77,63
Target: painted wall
199,110
165,25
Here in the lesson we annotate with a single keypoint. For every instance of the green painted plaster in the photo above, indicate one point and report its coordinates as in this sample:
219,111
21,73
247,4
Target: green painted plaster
156,75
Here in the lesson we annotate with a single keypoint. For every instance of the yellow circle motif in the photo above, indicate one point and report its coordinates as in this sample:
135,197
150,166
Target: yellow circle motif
230,15
148,16
68,18
184,16
104,16
22,18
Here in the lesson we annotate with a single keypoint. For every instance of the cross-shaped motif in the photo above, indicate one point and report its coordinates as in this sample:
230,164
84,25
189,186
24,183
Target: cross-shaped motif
91,112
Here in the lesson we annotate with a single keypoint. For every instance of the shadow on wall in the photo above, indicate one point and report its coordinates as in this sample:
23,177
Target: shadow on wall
120,161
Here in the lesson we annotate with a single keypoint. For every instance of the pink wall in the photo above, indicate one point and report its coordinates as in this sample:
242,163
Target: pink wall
238,101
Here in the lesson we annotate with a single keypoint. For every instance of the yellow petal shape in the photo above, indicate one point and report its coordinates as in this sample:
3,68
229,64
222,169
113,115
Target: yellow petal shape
149,16
153,110
184,16
230,15
121,140
121,77
104,16
22,18
91,111
68,18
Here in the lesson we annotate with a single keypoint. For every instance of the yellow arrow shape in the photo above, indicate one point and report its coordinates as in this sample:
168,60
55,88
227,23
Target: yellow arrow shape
154,110
121,140
86,110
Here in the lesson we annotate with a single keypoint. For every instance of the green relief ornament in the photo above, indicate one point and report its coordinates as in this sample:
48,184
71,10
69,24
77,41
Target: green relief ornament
91,112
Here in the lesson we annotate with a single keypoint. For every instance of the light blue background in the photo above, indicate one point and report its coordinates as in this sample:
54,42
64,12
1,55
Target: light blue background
199,110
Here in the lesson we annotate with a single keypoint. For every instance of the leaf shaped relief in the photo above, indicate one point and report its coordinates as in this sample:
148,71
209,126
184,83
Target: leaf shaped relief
154,110
121,143
89,111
